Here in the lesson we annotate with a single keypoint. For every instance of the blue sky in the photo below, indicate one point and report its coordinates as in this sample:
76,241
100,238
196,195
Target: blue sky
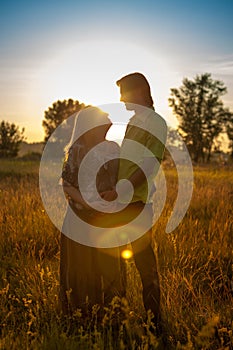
42,44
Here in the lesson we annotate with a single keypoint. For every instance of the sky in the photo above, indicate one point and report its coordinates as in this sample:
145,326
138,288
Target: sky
55,50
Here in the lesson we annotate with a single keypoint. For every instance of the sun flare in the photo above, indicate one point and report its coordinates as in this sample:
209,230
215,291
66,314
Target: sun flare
127,254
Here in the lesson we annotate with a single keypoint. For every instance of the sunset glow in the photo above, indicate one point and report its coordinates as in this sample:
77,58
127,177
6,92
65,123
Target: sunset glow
85,49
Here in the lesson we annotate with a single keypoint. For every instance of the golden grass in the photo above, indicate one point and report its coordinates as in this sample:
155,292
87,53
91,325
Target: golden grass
195,267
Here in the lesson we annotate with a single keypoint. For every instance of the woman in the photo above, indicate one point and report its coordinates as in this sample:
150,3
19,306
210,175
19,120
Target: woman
88,275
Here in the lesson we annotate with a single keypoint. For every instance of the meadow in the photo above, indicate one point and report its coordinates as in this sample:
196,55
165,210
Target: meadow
196,270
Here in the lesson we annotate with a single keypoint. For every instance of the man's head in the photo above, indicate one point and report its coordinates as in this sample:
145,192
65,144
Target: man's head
135,89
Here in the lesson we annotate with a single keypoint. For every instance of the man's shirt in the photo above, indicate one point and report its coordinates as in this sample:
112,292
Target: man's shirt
145,137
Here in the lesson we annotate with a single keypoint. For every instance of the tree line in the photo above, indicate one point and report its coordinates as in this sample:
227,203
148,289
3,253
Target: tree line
197,104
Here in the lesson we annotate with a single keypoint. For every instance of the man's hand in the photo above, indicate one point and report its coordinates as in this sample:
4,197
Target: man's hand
109,195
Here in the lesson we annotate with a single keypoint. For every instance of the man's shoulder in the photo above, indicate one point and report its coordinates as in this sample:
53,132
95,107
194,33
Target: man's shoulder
111,146
149,116
156,125
157,118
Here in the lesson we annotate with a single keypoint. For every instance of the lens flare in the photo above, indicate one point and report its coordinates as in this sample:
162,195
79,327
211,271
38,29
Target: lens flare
127,254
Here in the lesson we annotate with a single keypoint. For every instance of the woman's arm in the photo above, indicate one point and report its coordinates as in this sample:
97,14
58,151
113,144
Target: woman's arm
74,194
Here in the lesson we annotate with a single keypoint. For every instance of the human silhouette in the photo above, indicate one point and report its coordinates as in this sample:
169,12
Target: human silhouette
148,130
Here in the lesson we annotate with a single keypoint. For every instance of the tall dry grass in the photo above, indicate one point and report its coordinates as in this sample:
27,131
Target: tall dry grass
195,268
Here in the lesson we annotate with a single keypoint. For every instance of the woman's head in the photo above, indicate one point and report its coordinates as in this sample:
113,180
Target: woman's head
90,120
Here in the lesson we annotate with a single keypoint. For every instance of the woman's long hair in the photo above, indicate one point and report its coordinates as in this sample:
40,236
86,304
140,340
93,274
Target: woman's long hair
85,120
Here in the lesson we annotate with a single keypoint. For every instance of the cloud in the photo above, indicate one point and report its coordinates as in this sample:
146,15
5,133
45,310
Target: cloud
222,65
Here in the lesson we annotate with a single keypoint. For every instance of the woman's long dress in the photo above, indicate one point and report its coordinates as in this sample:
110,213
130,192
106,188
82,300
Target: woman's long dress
89,275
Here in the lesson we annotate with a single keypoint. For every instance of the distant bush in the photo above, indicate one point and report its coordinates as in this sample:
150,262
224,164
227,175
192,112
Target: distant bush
30,156
10,139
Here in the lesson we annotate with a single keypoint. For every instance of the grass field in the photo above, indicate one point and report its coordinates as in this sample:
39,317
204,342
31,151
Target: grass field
195,262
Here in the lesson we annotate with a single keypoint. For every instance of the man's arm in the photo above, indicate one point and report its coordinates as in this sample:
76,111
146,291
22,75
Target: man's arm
149,167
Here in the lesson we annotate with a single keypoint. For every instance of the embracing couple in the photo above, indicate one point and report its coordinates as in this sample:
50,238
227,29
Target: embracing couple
92,270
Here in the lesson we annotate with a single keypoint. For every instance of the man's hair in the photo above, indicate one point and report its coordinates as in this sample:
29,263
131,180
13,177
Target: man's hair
134,81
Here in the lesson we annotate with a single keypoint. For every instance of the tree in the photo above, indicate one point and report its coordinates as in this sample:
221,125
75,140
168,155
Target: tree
10,139
229,130
201,113
59,112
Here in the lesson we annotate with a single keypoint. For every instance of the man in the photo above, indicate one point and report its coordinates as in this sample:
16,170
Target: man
141,154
